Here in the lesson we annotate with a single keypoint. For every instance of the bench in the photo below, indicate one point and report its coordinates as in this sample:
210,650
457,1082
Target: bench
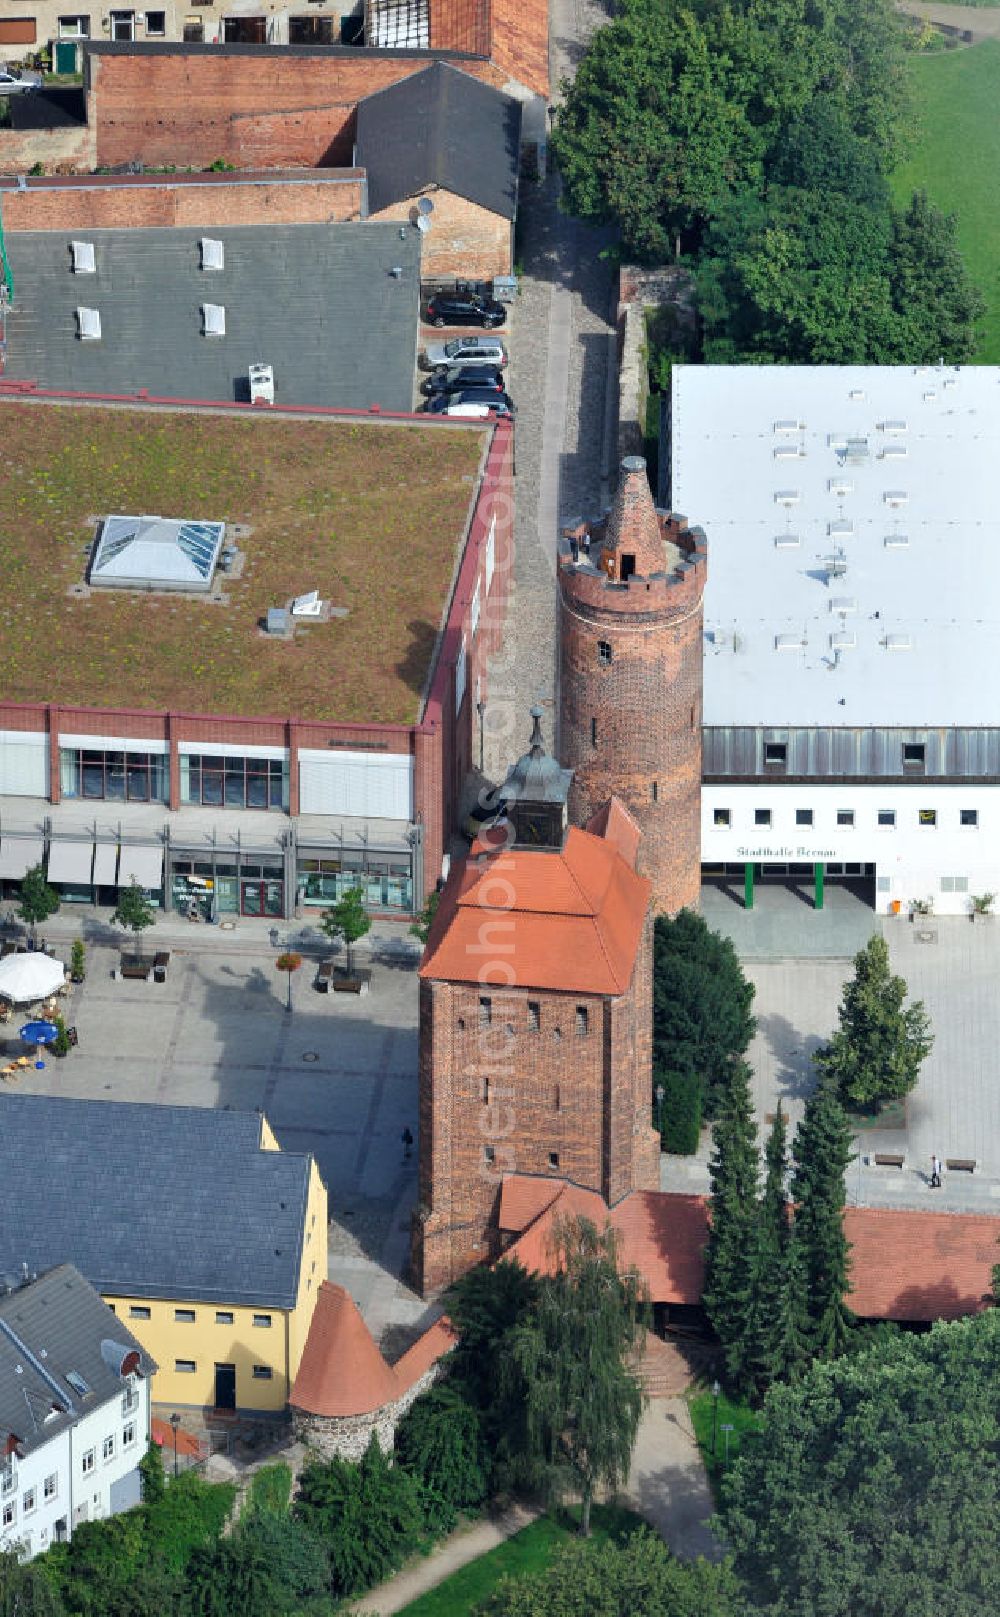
889,1159
358,983
324,976
960,1164
134,968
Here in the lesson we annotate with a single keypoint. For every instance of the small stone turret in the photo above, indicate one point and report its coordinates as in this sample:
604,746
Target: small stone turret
630,629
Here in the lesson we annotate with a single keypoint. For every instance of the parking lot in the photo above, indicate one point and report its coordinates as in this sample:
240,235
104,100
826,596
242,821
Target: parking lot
337,1077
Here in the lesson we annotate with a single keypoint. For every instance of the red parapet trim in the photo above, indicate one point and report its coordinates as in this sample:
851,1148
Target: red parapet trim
163,716
212,177
375,412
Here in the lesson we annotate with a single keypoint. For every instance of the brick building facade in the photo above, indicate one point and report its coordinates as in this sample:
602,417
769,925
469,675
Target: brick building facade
535,1026
181,201
630,634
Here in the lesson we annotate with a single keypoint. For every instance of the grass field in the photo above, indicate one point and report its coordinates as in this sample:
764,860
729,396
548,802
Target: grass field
956,160
528,1551
370,516
739,1416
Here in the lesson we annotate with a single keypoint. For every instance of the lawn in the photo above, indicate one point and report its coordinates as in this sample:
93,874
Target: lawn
528,1551
956,160
371,516
737,1415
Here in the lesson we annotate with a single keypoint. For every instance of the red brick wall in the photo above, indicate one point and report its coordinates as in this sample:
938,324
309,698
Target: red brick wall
647,708
524,1094
170,204
464,238
63,150
262,111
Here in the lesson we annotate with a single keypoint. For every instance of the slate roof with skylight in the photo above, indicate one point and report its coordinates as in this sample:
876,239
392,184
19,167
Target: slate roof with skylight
853,539
161,553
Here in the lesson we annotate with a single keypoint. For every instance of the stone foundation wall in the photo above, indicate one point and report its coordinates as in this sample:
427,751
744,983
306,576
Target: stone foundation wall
346,1437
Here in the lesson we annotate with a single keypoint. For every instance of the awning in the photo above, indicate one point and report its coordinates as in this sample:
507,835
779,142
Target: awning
18,855
71,862
142,861
105,863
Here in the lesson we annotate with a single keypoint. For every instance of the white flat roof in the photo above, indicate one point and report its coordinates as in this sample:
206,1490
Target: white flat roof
853,523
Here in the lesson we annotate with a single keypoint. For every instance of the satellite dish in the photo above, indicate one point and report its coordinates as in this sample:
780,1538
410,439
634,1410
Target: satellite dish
425,206
423,223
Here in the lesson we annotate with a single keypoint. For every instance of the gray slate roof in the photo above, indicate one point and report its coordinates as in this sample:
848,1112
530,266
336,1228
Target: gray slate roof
151,1201
66,1329
316,301
440,127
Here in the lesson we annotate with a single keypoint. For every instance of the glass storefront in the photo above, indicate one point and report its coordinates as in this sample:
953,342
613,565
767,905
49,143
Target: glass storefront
116,777
247,782
210,891
385,880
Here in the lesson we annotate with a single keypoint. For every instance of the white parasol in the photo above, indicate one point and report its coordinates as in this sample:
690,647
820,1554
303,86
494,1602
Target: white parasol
27,977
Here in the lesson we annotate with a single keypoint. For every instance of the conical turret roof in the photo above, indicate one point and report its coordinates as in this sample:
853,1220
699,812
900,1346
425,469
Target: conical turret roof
633,527
537,777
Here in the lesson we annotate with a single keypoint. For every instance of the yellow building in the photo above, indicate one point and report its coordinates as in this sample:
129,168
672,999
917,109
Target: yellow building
208,1240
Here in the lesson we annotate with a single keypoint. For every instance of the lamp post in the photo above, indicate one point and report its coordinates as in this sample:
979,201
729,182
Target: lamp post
716,1389
289,962
659,1092
175,1421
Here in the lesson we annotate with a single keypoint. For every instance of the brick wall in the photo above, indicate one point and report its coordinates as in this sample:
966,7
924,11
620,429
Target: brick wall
524,1093
464,239
268,110
631,727
170,203
62,150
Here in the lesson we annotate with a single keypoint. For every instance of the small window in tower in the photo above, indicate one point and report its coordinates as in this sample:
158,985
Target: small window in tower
582,1021
604,652
485,1012
553,1159
534,1016
593,732
489,1154
656,792
485,1095
555,1098
627,568
557,1033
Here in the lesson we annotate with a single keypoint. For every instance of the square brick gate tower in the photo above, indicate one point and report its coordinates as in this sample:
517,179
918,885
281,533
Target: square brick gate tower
535,1019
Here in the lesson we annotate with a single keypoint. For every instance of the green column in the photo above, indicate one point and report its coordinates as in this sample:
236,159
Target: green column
819,875
748,887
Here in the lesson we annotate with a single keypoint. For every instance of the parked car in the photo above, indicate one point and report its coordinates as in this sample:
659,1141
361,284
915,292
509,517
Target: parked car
18,83
470,401
457,377
465,306
464,351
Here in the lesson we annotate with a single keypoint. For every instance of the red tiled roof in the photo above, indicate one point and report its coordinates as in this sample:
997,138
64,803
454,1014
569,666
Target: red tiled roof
342,1371
425,1352
614,822
523,1196
912,1265
162,1434
663,1235
534,1248
569,920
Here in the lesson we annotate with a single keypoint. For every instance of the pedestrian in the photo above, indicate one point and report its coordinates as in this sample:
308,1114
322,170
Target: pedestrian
407,1139
935,1173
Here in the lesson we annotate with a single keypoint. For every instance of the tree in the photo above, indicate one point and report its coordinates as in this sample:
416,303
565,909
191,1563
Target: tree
820,151
439,1441
133,910
583,1403
290,962
732,1240
421,927
649,135
873,1489
26,1590
486,1305
638,1578
267,1567
878,1050
367,1516
680,1114
702,1017
349,920
777,1330
153,1481
822,1151
936,304
37,899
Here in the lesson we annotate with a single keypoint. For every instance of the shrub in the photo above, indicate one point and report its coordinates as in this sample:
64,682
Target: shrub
368,1517
681,1116
440,1442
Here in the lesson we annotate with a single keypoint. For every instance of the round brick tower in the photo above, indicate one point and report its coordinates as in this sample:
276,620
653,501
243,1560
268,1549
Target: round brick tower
630,632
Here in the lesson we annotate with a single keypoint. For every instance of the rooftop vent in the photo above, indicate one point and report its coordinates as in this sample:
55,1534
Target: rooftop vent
790,642
897,642
840,487
719,637
788,452
857,395
930,396
895,452
261,383
843,640
88,325
789,426
843,603
895,496
213,319
896,541
787,541
841,529
213,253
787,496
84,257
307,606
893,426
857,451
276,622
836,565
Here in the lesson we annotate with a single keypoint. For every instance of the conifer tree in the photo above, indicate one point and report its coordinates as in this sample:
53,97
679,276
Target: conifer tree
762,1348
822,1151
880,1045
729,1256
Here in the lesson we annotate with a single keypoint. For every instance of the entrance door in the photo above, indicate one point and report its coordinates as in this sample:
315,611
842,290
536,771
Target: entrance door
225,1386
262,898
123,25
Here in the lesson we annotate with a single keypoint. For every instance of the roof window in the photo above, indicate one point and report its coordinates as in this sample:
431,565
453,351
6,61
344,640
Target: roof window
213,319
88,325
84,257
213,253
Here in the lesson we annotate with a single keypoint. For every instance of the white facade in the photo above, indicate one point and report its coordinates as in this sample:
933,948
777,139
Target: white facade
852,621
85,1472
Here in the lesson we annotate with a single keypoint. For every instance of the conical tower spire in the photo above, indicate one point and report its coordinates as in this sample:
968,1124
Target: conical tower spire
633,528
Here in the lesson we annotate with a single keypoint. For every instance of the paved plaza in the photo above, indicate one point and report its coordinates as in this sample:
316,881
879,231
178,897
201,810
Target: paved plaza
798,960
337,1077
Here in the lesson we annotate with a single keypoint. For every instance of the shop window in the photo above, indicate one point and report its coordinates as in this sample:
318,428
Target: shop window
113,777
246,782
803,816
762,816
722,818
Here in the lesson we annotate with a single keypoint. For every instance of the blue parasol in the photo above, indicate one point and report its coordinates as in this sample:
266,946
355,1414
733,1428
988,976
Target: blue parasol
39,1034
